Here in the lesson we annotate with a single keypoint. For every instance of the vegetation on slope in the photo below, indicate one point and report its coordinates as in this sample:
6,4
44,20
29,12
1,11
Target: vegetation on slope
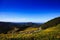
8,27
52,33
51,23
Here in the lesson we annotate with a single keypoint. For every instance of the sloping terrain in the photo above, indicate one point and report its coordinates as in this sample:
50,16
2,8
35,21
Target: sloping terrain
9,27
51,32
50,23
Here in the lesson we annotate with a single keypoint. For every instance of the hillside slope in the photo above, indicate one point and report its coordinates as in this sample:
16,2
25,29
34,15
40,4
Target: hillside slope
50,23
52,33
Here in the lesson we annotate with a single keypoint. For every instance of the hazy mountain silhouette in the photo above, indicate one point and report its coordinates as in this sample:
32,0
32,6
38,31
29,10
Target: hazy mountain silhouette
6,27
10,26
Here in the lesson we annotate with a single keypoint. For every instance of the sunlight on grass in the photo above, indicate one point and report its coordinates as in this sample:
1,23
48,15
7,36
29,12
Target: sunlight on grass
47,34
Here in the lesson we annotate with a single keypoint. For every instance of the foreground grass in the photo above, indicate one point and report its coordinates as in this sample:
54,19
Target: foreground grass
52,33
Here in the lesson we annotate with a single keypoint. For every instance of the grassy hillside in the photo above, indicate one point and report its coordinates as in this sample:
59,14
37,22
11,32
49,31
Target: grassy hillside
52,33
50,23
48,31
30,30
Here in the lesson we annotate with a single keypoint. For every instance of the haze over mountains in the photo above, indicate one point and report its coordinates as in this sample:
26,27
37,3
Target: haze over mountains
31,31
9,26
5,27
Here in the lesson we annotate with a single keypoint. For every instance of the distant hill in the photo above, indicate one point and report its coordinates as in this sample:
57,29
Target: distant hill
10,26
50,23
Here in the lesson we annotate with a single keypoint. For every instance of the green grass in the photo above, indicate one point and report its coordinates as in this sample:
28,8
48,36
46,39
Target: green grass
52,33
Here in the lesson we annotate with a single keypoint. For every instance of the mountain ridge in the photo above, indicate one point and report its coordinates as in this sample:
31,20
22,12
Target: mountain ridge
51,23
7,26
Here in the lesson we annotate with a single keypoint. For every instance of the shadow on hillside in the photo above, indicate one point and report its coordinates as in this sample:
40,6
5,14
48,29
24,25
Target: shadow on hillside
31,39
21,39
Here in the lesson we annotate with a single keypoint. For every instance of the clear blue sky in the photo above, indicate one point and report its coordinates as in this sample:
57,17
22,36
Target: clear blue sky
29,10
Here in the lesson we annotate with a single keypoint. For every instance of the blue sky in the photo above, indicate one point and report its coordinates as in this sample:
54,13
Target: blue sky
29,10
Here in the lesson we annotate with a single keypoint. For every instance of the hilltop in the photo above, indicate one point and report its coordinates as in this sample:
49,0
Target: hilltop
50,23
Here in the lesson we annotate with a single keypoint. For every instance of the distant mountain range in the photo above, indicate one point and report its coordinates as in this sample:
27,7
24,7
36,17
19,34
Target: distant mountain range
6,27
9,26
31,31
